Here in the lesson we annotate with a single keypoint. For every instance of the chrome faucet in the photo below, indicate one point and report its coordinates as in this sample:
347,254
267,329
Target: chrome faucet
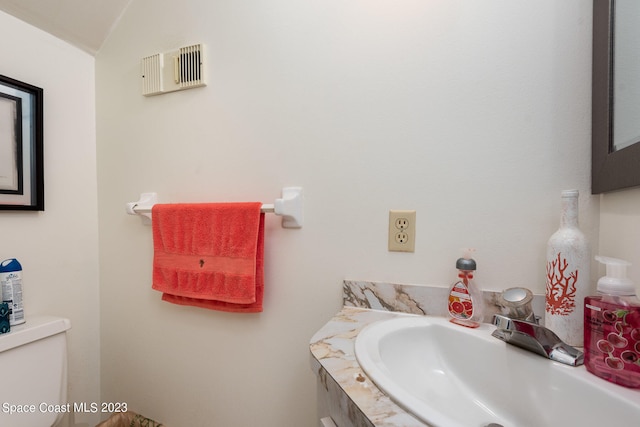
536,338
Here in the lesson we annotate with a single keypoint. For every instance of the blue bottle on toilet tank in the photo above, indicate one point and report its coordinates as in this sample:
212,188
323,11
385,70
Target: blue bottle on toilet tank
11,283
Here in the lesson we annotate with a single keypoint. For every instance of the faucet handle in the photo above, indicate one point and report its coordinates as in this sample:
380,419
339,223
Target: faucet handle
518,302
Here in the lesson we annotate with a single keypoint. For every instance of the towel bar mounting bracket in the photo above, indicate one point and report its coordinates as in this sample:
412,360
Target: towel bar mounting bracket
290,207
143,207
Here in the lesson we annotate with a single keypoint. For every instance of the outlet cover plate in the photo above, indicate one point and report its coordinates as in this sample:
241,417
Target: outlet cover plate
402,230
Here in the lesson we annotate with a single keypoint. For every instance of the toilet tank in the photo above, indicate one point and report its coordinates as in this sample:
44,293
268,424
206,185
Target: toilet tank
33,373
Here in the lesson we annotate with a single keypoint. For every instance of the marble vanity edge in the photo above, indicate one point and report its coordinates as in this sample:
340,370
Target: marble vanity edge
347,413
361,403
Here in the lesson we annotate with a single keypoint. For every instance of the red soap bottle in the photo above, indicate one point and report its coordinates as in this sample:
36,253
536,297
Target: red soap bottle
465,303
612,327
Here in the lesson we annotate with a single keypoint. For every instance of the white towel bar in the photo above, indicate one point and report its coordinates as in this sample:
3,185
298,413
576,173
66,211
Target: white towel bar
289,207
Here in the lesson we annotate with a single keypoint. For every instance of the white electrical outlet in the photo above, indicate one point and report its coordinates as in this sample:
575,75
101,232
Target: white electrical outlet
402,231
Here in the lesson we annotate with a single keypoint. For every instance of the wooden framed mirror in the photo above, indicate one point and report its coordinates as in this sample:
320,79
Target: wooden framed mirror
615,162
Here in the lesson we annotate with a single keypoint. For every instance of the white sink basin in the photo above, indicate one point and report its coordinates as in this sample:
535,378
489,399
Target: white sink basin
448,375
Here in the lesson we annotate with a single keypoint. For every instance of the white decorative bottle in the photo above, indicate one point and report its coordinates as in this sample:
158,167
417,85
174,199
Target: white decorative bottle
568,281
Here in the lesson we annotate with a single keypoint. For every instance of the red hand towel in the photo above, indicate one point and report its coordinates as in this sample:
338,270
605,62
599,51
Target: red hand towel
210,255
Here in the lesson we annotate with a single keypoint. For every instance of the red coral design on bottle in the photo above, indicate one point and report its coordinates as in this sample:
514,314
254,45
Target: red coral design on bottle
561,287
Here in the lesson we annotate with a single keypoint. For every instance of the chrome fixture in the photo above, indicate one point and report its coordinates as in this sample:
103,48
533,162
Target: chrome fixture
518,303
536,338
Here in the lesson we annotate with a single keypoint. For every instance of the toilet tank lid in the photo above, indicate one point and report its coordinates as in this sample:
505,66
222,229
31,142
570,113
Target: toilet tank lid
35,328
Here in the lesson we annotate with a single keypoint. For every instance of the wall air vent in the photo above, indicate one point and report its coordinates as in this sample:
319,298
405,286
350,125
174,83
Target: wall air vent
175,70
152,74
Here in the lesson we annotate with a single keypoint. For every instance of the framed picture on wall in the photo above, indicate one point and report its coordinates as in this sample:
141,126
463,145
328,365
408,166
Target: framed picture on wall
21,145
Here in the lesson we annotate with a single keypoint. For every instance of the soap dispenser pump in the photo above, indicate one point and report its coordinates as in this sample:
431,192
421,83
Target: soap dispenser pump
465,303
612,327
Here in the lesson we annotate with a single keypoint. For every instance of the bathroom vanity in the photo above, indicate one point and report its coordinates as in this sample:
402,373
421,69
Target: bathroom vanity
345,393
392,343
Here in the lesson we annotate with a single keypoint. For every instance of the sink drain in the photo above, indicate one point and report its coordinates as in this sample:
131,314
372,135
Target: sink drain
494,425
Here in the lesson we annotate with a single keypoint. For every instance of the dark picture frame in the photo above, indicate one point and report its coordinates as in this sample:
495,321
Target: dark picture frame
21,146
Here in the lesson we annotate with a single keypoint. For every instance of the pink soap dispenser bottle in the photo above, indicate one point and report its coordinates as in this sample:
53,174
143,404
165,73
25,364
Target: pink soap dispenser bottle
612,327
465,303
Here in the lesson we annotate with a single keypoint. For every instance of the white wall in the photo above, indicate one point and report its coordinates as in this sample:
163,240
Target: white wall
476,114
620,229
58,248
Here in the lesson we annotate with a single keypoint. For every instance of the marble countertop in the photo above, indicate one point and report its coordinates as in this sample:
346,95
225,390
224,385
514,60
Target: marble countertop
332,351
333,357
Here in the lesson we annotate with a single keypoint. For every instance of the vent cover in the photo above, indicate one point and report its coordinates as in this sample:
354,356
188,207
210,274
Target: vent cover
152,74
171,71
